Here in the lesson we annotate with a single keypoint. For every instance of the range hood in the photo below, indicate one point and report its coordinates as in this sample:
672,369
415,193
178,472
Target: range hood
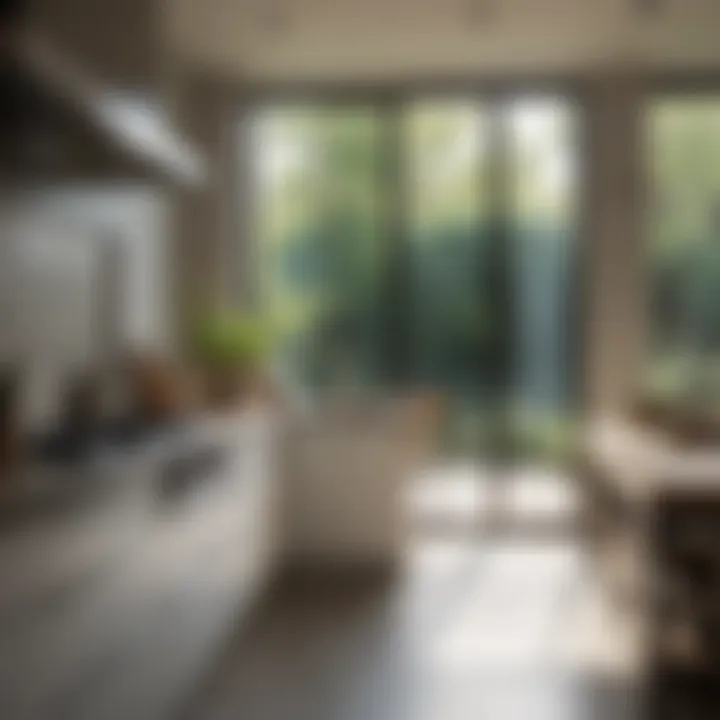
58,122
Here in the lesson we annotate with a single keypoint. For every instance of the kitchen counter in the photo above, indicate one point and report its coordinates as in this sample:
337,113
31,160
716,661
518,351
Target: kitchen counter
123,578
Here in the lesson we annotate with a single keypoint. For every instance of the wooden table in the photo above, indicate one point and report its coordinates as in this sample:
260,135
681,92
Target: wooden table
654,519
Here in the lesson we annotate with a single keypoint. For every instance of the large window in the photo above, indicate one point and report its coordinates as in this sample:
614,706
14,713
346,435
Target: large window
426,242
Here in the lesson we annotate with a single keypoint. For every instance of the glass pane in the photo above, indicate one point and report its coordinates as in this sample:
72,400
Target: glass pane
446,152
544,214
684,169
318,230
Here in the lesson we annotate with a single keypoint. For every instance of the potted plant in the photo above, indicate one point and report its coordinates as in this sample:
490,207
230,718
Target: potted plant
231,349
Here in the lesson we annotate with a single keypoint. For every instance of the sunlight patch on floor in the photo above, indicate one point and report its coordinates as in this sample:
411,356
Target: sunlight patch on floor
464,493
497,605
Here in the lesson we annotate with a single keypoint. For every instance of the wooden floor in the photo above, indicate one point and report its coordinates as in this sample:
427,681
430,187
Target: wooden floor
479,629
472,627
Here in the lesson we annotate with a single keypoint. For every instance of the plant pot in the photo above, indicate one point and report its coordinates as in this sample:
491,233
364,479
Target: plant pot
223,387
227,388
161,391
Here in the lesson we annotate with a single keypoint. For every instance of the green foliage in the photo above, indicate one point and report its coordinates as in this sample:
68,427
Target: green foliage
354,292
232,339
546,436
685,260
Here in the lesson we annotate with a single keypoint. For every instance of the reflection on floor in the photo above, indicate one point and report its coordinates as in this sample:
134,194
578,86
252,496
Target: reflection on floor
472,630
460,496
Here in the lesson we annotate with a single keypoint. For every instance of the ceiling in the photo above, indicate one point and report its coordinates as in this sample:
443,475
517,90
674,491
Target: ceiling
341,39
117,39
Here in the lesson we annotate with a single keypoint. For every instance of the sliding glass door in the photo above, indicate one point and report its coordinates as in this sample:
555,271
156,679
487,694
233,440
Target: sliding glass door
427,242
493,222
